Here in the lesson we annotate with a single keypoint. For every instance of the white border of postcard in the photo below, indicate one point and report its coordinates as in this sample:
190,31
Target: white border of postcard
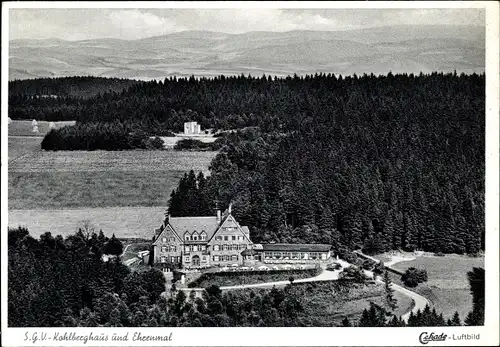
489,334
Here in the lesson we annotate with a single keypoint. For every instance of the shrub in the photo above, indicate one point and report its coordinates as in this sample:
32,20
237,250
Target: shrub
412,277
113,246
368,264
379,268
353,273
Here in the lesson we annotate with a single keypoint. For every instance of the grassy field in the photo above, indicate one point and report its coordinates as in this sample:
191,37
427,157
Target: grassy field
60,190
125,192
71,179
24,127
447,287
20,146
125,222
135,160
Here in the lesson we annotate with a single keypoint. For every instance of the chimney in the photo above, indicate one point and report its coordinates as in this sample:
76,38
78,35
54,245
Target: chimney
218,216
167,218
229,208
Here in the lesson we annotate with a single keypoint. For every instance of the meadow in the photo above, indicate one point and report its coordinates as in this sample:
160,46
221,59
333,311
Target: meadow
133,160
90,189
25,128
447,287
20,146
124,222
124,192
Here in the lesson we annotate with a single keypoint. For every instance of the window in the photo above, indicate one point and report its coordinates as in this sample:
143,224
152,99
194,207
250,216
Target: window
191,248
204,258
235,247
216,247
202,247
203,235
224,247
186,249
186,236
226,258
216,258
163,259
218,238
172,239
234,258
240,238
229,229
195,248
173,249
163,248
194,237
172,259
233,237
187,260
164,239
226,238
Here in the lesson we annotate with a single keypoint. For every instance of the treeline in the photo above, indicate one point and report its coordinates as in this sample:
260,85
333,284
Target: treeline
197,145
272,103
383,163
56,281
75,87
104,136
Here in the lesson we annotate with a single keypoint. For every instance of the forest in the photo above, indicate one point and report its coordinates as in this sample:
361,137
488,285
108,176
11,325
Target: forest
370,162
56,282
397,164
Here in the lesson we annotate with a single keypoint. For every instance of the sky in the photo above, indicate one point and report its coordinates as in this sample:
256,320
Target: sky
129,24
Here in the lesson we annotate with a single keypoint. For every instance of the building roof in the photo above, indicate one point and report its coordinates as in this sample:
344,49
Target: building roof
191,224
296,247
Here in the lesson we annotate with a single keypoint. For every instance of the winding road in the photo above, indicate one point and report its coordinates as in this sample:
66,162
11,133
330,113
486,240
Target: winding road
326,275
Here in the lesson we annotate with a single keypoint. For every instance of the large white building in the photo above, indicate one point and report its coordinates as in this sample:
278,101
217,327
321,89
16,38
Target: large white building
192,128
197,242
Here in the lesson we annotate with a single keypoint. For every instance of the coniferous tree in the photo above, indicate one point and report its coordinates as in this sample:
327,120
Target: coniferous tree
390,300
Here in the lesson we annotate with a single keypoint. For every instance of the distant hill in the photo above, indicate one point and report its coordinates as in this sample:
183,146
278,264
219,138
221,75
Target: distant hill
84,87
204,53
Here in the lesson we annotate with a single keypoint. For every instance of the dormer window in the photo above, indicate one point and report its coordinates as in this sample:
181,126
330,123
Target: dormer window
187,236
203,235
195,236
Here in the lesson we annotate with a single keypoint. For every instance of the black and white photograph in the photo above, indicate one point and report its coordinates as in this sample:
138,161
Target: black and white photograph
260,166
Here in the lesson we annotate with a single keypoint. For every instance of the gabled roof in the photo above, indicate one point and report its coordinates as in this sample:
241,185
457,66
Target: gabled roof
191,224
230,221
162,230
296,247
